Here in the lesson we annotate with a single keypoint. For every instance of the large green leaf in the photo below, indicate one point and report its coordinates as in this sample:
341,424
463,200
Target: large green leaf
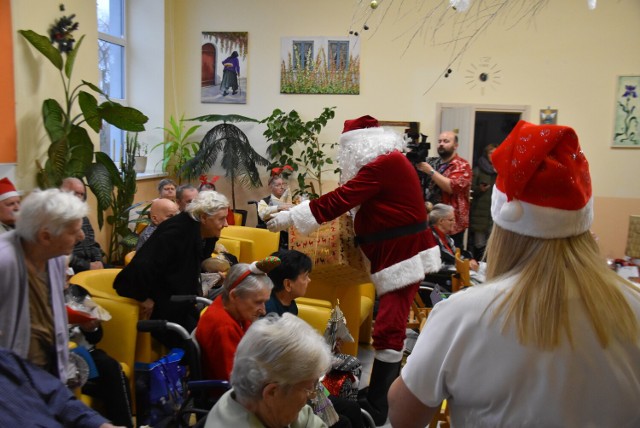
89,106
80,152
231,118
71,58
44,46
99,181
56,166
95,88
125,118
54,119
114,174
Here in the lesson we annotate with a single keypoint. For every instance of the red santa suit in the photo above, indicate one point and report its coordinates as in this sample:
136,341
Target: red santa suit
383,188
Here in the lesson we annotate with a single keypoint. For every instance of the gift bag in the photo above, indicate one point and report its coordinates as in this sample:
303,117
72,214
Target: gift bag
160,388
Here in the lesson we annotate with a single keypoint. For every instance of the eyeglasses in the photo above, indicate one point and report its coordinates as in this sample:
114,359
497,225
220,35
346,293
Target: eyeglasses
312,394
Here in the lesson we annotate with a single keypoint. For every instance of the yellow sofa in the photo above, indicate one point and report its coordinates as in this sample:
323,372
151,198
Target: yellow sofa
255,243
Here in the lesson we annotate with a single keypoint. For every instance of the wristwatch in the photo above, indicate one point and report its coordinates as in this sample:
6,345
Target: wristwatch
433,171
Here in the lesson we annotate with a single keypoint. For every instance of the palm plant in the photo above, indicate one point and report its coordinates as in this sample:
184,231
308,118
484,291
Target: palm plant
177,147
239,159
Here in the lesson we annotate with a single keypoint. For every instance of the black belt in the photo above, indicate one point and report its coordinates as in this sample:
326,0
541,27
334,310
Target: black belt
396,232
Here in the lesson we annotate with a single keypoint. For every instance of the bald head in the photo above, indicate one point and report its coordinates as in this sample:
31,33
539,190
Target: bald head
162,209
75,186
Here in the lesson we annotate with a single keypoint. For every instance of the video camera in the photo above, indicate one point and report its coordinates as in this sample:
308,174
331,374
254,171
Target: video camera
418,151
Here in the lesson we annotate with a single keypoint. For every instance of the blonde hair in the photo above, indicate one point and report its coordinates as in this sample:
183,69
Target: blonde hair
548,269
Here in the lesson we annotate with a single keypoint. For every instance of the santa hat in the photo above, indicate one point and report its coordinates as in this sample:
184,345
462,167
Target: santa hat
543,188
7,189
363,140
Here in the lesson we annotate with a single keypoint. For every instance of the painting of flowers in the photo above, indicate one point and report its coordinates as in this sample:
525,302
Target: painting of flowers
626,119
320,65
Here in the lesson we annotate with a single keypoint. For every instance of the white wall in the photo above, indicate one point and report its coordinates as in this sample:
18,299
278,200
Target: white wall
567,57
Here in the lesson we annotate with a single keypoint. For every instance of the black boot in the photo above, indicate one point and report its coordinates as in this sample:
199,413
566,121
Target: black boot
374,398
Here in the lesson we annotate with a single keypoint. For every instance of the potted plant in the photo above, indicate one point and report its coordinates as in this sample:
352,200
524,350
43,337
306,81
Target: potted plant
296,143
177,149
71,152
239,159
141,151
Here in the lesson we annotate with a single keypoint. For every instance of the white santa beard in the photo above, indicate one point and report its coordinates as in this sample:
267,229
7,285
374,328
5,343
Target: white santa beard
362,146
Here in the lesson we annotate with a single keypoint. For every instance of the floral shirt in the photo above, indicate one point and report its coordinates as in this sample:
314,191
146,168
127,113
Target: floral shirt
458,171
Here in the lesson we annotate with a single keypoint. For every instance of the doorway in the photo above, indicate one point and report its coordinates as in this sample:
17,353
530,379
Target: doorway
479,125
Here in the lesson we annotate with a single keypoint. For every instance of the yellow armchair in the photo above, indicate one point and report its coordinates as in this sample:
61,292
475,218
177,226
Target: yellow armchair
263,242
316,316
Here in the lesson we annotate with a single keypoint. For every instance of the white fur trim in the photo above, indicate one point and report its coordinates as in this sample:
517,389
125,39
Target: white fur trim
303,218
538,221
8,195
388,355
361,146
408,271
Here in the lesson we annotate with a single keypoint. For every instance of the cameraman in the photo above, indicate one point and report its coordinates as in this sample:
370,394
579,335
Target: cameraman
449,182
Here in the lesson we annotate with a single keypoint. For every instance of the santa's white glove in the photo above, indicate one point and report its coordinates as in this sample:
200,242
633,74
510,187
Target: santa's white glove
280,221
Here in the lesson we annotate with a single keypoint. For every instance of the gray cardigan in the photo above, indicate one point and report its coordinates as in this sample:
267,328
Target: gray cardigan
15,322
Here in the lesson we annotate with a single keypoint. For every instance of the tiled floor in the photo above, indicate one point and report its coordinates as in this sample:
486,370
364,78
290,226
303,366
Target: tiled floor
366,355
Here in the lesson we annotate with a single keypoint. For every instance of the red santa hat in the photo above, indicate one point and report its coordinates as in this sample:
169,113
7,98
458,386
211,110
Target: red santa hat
363,140
543,188
7,189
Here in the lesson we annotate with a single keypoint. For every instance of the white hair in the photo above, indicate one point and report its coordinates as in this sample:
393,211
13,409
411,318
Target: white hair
207,202
438,212
283,350
51,209
252,283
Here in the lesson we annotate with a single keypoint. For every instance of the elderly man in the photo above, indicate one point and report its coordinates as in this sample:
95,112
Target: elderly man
184,195
160,210
9,205
33,263
169,263
391,229
449,182
87,253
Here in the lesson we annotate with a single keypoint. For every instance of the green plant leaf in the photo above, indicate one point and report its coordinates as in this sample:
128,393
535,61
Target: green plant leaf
114,174
95,88
80,152
125,118
71,58
44,46
226,118
54,119
89,106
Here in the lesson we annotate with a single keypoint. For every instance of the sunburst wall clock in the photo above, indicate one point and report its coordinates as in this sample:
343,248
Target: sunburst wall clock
483,74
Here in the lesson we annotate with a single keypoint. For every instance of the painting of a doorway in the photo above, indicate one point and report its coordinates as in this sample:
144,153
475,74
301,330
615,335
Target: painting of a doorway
320,65
224,67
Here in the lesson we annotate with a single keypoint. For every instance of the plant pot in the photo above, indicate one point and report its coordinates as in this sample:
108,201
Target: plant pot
140,164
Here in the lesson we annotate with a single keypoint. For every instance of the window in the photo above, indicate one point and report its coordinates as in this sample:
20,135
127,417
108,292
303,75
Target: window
111,62
303,55
338,54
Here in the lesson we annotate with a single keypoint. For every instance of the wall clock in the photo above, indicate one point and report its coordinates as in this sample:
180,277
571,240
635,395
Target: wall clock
485,73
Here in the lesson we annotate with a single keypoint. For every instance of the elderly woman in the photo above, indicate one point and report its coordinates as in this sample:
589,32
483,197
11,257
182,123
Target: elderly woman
169,263
442,220
33,263
167,189
245,291
275,371
551,340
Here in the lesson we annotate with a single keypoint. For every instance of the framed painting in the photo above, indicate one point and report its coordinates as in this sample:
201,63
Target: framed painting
626,113
224,67
320,65
548,116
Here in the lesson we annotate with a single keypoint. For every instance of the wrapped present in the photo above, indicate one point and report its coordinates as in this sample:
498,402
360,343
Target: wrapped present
332,250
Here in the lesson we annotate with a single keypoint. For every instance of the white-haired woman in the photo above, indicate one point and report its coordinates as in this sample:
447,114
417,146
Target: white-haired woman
169,263
276,370
245,291
552,339
33,263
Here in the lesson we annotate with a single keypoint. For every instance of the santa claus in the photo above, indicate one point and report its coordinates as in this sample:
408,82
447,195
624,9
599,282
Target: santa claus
390,225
